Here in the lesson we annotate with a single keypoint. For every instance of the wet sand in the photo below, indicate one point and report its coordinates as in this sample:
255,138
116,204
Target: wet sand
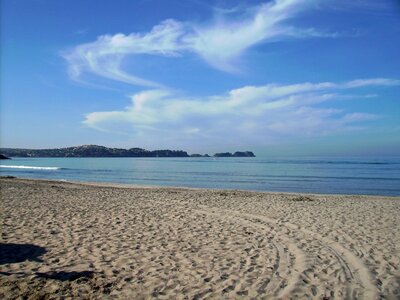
93,241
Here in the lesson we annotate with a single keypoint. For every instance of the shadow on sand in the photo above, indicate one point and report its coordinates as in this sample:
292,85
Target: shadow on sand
16,253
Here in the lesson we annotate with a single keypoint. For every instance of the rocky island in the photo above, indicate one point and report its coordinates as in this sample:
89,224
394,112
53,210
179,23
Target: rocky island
236,154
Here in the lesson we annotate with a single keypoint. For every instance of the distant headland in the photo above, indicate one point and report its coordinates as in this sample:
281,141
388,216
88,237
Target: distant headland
101,151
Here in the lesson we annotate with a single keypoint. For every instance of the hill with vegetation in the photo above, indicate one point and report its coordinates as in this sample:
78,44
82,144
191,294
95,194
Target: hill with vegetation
101,151
91,151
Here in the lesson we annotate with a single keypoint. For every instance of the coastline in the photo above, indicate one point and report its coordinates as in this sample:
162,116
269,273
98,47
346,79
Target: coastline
95,240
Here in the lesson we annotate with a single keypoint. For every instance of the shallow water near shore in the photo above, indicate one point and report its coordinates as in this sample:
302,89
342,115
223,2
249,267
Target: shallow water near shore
369,176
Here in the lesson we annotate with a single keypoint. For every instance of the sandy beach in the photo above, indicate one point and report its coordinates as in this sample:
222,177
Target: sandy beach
92,241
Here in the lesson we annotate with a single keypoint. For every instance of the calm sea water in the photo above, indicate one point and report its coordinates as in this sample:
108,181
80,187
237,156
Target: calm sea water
316,175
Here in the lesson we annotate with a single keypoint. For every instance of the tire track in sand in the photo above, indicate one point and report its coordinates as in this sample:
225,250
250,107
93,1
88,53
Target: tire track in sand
290,262
290,269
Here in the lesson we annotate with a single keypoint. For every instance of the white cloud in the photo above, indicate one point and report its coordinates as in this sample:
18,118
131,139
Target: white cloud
252,113
372,82
257,114
104,56
220,43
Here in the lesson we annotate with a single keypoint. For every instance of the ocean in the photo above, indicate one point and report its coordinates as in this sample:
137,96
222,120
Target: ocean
368,176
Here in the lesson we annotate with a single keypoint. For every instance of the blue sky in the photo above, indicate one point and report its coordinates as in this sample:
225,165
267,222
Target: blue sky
277,77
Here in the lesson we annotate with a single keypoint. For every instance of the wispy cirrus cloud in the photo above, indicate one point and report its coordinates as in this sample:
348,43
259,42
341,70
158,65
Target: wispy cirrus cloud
104,56
219,43
256,114
370,7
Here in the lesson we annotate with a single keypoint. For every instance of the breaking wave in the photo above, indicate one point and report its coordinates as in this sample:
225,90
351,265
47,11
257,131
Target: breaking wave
29,167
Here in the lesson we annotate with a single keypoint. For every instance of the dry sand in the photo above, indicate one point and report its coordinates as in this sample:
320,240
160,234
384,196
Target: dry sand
66,240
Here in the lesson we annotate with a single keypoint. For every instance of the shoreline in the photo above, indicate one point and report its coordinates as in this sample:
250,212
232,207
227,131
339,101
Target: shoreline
140,186
94,241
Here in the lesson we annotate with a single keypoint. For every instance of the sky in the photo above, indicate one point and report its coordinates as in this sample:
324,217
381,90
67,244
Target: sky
284,77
